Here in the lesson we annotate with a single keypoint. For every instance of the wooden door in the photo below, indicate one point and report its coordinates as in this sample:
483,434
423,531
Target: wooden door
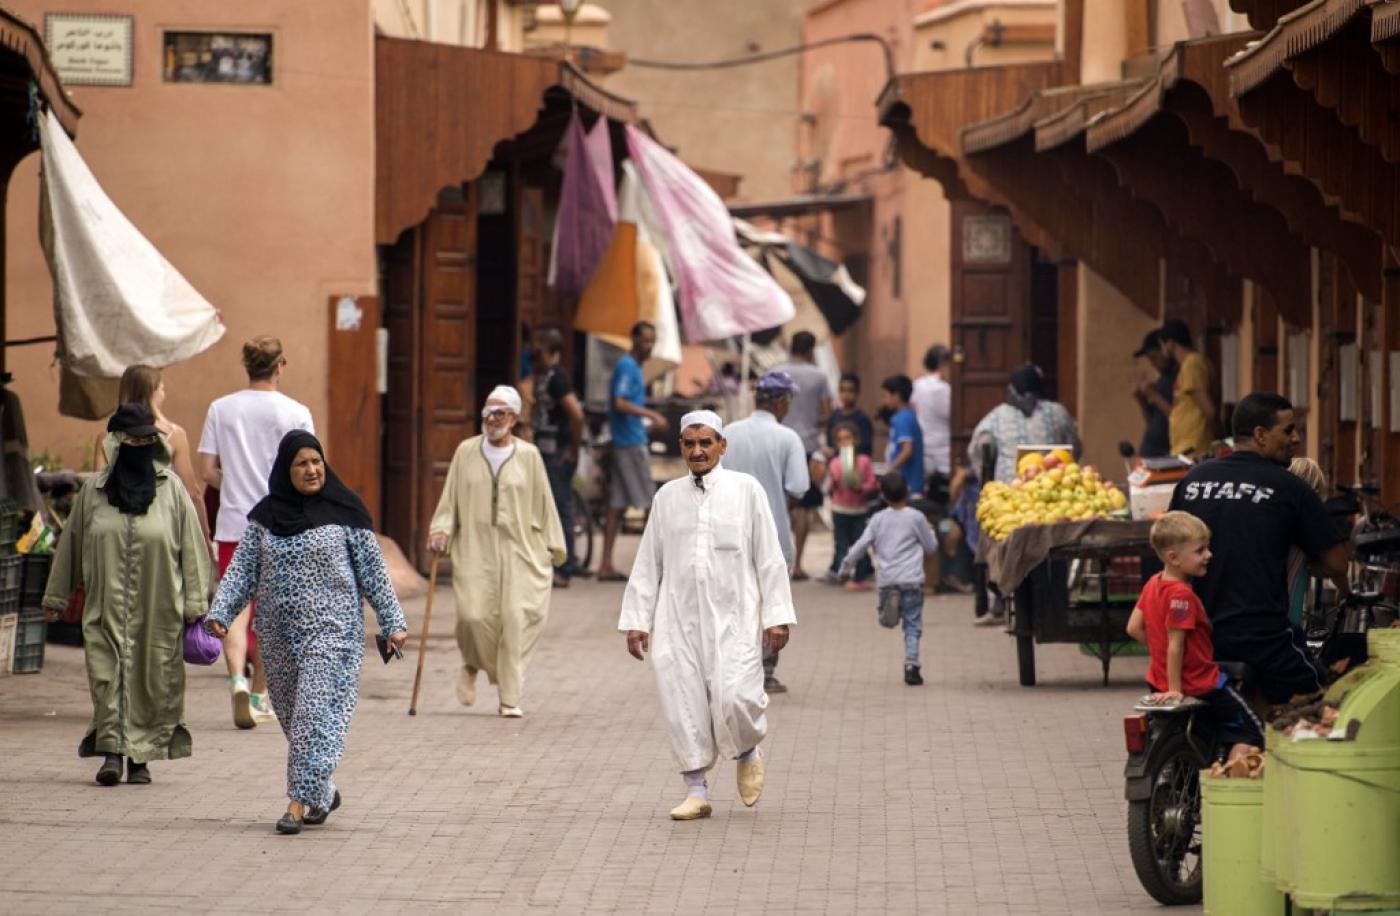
353,409
431,316
402,280
990,312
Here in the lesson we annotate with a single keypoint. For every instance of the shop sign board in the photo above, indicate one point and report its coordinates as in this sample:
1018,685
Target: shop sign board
90,50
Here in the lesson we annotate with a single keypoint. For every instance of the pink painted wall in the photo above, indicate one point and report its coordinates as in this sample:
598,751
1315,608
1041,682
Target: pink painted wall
262,196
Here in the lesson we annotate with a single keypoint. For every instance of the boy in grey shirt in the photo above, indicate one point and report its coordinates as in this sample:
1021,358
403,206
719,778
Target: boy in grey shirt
901,536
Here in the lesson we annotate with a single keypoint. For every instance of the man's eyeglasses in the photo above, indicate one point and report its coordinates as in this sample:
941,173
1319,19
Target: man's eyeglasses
495,413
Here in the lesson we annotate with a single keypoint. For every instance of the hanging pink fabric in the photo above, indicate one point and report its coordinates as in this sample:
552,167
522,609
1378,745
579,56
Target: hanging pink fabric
722,291
587,207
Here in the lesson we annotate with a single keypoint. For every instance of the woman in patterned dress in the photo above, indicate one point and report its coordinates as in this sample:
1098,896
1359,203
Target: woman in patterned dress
310,557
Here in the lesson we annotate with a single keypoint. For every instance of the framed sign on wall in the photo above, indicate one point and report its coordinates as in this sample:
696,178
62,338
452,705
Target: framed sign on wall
218,57
90,50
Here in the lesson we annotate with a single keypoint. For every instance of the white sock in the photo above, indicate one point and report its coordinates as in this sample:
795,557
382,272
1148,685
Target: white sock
695,785
749,754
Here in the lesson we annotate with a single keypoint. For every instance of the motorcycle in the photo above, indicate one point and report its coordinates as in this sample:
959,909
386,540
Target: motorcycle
1168,746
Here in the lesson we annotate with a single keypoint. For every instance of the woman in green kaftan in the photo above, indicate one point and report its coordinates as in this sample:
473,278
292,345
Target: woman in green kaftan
134,545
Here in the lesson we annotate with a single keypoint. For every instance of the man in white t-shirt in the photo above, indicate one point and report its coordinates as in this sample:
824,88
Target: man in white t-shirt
933,406
241,434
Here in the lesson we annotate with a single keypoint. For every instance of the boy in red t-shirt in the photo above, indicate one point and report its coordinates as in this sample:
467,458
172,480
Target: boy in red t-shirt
1170,618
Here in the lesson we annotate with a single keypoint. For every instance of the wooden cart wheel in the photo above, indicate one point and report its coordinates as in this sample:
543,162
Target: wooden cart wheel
1025,659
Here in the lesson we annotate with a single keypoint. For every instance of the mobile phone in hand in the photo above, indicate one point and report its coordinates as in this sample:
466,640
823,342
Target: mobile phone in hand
387,650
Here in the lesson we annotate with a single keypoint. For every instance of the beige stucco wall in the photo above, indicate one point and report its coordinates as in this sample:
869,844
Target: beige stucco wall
943,34
741,120
1110,329
263,196
453,22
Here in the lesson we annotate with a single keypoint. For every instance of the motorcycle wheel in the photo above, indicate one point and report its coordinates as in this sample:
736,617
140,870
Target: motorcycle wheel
1164,831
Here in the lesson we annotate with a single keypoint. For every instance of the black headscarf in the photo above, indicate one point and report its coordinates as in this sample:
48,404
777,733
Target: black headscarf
131,484
1026,389
286,512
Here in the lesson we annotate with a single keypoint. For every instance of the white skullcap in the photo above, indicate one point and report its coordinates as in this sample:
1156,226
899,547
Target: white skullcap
703,418
506,395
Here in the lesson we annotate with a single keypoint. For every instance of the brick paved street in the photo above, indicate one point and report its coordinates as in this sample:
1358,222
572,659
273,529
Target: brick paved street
969,795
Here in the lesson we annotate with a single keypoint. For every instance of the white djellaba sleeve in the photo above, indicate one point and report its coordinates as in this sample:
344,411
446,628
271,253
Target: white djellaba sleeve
770,569
644,583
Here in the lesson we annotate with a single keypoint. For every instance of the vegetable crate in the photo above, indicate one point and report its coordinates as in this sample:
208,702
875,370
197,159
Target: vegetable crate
28,655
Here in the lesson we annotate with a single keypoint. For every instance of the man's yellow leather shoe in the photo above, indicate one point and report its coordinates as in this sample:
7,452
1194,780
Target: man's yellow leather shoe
691,808
750,778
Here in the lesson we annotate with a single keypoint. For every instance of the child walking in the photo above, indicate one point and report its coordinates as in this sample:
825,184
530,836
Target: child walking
1170,618
852,484
901,536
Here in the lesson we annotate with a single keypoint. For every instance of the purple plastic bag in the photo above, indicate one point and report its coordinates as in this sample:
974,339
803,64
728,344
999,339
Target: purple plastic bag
201,647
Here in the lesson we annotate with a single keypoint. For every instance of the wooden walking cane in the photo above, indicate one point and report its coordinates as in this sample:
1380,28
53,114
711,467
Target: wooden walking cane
423,639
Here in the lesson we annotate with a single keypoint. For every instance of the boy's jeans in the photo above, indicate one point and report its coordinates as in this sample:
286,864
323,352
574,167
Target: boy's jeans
911,615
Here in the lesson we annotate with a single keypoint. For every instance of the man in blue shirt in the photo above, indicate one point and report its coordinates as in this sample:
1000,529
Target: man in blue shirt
631,483
905,452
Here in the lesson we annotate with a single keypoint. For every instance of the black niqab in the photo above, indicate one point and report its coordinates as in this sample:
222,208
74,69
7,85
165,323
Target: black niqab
286,512
131,485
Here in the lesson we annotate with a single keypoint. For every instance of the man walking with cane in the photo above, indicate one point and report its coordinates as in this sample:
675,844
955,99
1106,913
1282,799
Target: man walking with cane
497,518
708,591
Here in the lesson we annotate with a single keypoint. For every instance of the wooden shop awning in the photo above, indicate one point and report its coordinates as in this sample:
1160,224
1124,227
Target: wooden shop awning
1192,87
440,111
1264,14
1158,143
1036,159
927,112
799,205
23,58
1319,90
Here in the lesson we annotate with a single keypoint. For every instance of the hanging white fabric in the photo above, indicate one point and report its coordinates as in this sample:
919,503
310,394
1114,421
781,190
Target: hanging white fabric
117,300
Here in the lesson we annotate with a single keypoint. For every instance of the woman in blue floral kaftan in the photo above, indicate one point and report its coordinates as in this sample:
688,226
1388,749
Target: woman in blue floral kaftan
310,558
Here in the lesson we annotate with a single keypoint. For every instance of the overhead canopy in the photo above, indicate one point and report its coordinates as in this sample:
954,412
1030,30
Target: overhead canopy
440,111
23,58
24,62
927,112
1320,90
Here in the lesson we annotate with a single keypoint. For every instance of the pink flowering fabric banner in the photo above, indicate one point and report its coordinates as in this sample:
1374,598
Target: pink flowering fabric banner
722,292
587,207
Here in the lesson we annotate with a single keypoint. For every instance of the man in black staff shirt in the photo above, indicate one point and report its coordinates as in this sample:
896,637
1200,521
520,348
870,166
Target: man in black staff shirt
1256,511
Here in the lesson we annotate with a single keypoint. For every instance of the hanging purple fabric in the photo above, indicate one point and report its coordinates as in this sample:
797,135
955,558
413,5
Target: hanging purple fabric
723,292
587,207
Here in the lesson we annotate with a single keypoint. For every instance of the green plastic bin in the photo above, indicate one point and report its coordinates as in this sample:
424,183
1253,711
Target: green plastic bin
1275,808
1232,819
1342,805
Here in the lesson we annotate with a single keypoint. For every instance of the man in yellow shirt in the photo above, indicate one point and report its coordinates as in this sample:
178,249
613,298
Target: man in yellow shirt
1192,417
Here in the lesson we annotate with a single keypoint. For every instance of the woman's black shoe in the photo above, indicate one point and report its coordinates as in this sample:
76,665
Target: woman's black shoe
912,677
317,816
110,773
138,774
289,824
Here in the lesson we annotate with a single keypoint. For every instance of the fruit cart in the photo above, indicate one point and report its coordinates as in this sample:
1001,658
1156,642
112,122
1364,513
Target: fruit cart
1069,582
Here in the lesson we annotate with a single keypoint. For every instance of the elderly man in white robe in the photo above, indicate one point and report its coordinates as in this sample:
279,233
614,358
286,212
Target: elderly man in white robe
708,593
498,520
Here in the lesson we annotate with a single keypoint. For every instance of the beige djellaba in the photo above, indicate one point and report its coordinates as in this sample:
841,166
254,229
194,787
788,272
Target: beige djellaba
504,540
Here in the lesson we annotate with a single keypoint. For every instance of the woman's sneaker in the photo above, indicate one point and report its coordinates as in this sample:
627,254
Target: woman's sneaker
242,702
261,706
